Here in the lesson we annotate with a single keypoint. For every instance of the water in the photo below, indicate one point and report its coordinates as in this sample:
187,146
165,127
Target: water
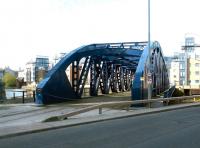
10,92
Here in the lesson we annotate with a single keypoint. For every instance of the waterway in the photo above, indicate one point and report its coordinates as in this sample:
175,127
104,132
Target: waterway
10,93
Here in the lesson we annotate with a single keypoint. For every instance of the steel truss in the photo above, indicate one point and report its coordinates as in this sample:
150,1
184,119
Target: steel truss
110,67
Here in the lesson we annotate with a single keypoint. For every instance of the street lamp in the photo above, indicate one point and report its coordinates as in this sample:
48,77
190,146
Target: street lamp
149,52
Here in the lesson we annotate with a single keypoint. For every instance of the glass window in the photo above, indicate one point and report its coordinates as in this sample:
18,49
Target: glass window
197,56
182,66
182,74
196,81
197,64
196,72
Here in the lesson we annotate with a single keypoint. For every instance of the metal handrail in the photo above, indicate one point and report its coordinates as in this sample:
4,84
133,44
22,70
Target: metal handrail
118,103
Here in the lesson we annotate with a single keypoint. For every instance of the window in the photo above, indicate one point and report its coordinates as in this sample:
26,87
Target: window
197,64
182,66
196,81
182,74
197,56
196,72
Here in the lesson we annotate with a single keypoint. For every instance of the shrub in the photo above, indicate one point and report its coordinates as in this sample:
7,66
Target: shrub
177,93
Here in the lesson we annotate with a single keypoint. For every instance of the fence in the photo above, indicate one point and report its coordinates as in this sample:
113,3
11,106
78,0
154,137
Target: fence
24,94
100,106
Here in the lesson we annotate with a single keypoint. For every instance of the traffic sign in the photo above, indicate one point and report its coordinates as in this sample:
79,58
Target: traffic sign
149,74
149,81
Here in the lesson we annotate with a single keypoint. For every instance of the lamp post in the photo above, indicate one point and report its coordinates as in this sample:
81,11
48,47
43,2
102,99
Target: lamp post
149,52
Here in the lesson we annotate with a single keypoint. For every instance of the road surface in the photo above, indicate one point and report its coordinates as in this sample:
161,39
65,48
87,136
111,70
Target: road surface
172,129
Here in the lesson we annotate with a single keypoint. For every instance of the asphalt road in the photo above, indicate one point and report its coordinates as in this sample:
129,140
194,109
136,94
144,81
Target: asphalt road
172,129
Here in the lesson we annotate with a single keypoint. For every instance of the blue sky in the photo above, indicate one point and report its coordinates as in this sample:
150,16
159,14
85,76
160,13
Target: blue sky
49,27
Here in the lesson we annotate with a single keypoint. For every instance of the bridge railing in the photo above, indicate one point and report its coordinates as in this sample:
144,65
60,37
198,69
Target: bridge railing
125,104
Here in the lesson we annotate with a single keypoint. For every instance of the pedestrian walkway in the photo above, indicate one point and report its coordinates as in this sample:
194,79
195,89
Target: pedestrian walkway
23,114
20,119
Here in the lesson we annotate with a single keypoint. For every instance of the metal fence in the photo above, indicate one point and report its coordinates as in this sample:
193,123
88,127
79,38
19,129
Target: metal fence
25,94
125,104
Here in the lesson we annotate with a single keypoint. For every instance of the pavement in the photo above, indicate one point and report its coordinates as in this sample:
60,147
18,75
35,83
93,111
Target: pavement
20,119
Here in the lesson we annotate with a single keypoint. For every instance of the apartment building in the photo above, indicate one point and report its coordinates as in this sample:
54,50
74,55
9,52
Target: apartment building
35,70
185,66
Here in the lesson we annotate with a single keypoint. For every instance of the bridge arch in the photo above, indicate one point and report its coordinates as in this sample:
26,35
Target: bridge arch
159,73
111,67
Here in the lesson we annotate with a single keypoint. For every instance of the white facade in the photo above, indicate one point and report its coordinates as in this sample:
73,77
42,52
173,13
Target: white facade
21,74
174,73
34,69
30,72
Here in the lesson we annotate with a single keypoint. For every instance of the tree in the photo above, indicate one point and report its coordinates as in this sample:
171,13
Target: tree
9,80
2,89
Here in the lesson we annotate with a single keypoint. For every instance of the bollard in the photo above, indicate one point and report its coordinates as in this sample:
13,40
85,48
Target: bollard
100,110
128,108
167,103
23,97
14,95
34,96
149,105
194,99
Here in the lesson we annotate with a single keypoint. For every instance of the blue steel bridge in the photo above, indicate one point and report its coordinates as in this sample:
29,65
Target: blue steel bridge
115,67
